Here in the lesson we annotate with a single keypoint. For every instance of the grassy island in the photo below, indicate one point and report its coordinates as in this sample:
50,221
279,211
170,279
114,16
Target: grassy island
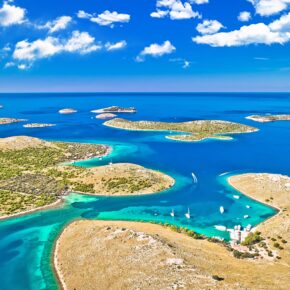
274,190
33,174
268,118
194,130
132,255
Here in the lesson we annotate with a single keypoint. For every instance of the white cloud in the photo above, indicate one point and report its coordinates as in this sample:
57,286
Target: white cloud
159,14
106,18
198,2
185,63
269,7
84,15
209,26
37,49
9,64
175,9
23,66
4,51
156,50
11,14
59,23
244,16
260,33
79,42
282,24
115,46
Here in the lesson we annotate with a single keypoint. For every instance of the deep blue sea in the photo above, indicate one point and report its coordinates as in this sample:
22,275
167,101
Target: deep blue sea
26,242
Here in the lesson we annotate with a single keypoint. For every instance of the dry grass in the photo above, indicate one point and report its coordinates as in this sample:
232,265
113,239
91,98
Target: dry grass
130,255
274,190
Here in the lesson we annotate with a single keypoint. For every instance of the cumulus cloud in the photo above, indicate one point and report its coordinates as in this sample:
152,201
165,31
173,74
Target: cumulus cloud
244,16
282,24
175,9
11,14
156,50
79,42
59,23
269,7
276,32
37,49
159,14
106,18
84,15
209,27
115,46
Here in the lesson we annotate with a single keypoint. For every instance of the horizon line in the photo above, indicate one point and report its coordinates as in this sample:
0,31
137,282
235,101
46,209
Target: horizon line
144,92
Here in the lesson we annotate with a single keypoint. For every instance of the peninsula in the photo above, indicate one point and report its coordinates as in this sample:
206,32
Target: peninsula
194,130
115,109
274,190
129,255
6,121
36,173
268,118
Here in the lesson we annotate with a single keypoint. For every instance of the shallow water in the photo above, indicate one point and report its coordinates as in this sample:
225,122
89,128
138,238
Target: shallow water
26,242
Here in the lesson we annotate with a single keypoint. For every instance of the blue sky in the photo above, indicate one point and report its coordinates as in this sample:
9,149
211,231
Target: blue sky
145,45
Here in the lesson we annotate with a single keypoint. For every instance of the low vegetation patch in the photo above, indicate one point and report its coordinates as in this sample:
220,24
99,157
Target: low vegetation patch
31,176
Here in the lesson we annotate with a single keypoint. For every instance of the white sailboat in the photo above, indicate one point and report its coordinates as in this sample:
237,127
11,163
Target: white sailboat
246,216
194,177
222,210
236,196
172,213
187,215
247,206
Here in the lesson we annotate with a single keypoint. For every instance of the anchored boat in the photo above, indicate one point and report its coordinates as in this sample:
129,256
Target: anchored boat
187,215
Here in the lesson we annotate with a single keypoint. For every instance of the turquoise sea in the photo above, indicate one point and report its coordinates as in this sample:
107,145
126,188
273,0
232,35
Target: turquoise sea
26,242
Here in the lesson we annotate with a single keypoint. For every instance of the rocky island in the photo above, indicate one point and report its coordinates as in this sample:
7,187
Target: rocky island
36,173
6,121
115,109
67,111
268,118
194,130
105,116
38,125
